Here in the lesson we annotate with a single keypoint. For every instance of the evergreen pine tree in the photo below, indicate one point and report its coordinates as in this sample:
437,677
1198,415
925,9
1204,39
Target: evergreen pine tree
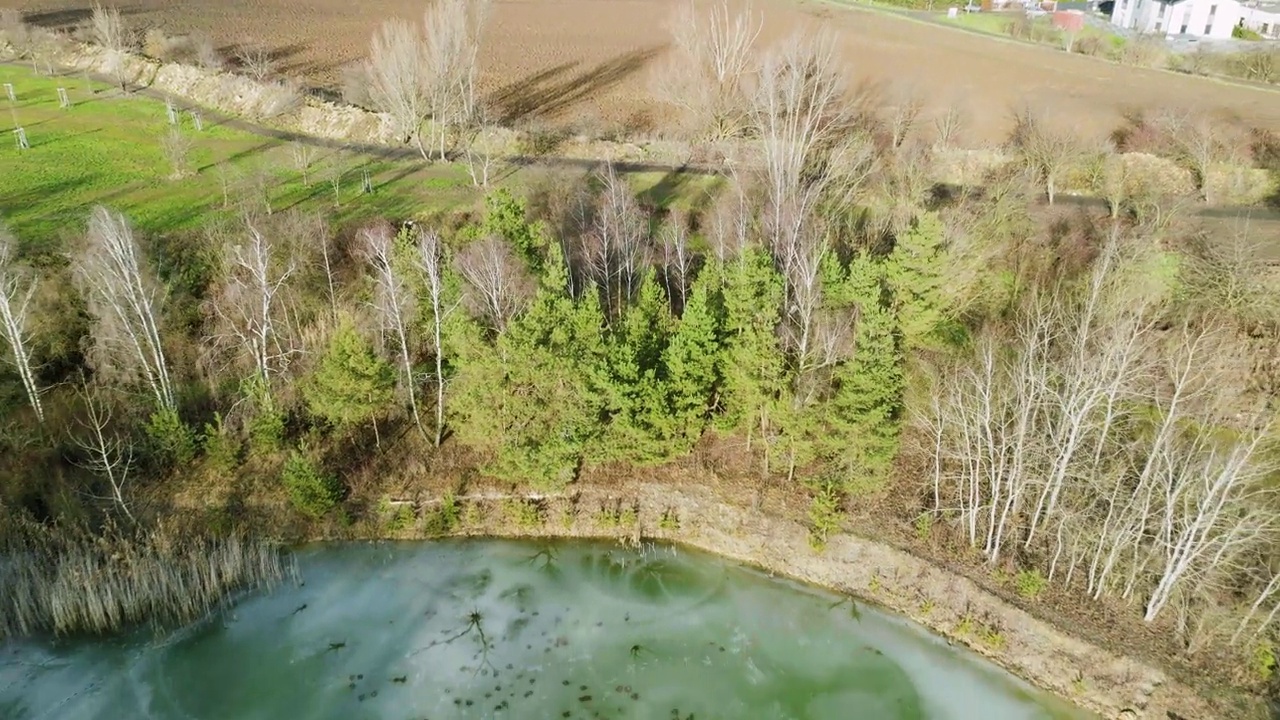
689,363
351,384
914,274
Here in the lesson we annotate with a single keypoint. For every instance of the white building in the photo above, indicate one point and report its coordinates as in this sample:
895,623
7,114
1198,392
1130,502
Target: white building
1198,18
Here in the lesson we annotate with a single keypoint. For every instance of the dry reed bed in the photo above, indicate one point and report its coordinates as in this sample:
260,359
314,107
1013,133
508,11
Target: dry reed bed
99,585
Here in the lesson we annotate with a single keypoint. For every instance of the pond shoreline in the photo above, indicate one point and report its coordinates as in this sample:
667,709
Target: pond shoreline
946,602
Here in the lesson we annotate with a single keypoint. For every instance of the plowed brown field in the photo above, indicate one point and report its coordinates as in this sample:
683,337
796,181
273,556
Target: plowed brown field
590,60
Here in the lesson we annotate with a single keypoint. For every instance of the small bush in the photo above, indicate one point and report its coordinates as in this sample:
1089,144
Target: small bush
266,431
824,515
311,491
446,517
1145,51
1263,662
170,440
1243,33
670,521
1091,45
221,449
924,526
525,514
1029,583
397,517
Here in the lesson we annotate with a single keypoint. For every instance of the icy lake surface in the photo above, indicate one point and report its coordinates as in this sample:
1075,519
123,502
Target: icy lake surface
498,629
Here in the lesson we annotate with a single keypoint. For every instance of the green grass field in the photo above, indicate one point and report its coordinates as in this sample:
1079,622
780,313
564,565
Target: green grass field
107,149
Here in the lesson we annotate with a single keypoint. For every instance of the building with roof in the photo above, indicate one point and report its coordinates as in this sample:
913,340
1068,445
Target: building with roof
1198,18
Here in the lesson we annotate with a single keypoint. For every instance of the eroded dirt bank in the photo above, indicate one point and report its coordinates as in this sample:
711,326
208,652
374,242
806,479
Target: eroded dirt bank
951,605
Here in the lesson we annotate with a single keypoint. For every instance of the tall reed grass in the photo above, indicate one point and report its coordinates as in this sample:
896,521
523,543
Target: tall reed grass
97,585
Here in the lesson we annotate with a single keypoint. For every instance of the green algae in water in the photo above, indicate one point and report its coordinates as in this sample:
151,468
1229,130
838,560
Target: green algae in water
443,630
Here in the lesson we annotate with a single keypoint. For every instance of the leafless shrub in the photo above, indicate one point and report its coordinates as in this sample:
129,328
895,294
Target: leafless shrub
278,97
1227,272
500,284
1048,152
1091,45
1262,65
177,150
950,125
14,31
706,69
158,45
1145,51
206,54
257,62
901,116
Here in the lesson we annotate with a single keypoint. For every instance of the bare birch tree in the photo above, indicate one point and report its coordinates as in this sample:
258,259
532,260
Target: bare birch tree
706,70
107,454
800,110
17,288
431,262
110,33
451,47
393,302
500,284
125,302
398,77
617,248
1073,438
677,260
303,156
252,306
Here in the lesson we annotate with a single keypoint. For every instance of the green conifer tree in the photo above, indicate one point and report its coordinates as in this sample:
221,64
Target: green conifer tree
351,384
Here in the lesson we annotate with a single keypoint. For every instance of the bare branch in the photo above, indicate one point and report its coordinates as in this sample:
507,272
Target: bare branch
17,288
431,262
706,70
107,454
501,285
393,302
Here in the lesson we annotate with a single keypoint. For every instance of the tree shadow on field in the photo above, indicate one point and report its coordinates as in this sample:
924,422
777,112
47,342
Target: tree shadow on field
70,17
549,91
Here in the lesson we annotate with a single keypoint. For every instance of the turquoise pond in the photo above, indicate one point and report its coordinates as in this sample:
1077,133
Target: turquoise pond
501,629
